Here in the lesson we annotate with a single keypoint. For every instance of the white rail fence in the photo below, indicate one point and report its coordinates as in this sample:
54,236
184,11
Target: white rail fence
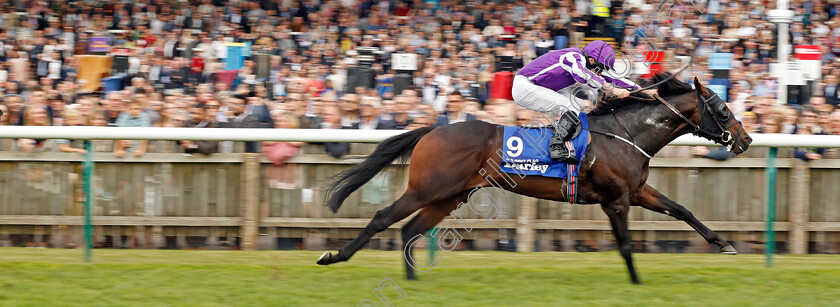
326,135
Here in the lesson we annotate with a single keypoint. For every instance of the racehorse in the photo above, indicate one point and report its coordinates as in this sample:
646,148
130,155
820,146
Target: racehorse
445,164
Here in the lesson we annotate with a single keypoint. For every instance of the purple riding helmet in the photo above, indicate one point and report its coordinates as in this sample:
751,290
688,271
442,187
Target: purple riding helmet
603,54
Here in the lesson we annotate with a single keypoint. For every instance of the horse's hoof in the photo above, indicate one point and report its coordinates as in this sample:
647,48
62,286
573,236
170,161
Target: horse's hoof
325,258
728,250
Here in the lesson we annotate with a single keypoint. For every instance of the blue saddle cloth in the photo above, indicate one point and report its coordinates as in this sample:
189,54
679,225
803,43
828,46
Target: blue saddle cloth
526,151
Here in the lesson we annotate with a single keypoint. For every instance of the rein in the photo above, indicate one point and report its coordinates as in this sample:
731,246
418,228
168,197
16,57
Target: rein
725,136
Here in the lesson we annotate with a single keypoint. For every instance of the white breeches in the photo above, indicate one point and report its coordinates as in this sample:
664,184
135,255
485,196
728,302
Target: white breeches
542,99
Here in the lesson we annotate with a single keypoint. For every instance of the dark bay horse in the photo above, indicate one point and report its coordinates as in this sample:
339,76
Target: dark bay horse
446,162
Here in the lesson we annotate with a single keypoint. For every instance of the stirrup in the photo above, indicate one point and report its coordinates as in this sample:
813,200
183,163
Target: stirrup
563,152
570,149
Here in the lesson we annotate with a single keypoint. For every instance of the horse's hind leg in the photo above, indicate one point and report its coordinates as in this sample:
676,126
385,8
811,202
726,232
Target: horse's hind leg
651,199
384,218
428,217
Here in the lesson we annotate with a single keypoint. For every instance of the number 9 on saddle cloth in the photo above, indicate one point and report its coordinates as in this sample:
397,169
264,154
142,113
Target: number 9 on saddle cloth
525,153
525,150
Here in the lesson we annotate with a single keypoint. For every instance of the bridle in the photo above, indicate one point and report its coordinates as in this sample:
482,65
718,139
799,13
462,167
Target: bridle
713,118
712,111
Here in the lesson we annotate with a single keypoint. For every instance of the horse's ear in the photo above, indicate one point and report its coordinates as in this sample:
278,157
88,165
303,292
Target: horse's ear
699,87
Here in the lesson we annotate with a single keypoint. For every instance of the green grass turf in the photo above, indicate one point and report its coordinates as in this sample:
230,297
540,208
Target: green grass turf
56,277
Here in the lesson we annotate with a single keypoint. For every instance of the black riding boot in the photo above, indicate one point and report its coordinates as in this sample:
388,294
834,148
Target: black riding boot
560,146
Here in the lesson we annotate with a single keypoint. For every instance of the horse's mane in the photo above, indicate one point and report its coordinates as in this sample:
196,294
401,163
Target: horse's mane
671,87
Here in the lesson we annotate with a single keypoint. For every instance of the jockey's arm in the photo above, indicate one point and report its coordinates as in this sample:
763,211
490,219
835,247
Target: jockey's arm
622,82
575,64
621,86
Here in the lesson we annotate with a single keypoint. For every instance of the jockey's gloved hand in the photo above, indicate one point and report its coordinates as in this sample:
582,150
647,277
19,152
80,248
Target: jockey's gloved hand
620,92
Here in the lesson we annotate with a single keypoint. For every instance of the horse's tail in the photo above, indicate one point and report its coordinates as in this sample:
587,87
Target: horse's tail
399,146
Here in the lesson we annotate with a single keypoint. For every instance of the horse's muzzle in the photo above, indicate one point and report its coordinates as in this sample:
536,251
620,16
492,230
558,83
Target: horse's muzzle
741,148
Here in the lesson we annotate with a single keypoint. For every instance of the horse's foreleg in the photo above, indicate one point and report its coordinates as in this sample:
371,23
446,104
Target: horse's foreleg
617,212
651,199
384,218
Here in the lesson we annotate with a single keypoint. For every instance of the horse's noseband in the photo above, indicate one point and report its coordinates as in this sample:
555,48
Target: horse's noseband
714,114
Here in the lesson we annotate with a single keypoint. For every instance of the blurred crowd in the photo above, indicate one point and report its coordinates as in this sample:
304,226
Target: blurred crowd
176,48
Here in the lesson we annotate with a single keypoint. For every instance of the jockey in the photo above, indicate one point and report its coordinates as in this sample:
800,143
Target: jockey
545,85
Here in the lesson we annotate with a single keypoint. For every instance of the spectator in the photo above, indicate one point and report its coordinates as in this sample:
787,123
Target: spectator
350,111
15,108
72,117
831,91
503,114
37,97
750,122
57,105
134,117
823,113
524,117
771,124
34,115
401,116
178,119
453,112
257,108
765,87
833,128
4,115
369,118
422,120
332,120
281,175
790,121
809,122
86,109
239,118
809,126
153,110
206,119
113,106
98,120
